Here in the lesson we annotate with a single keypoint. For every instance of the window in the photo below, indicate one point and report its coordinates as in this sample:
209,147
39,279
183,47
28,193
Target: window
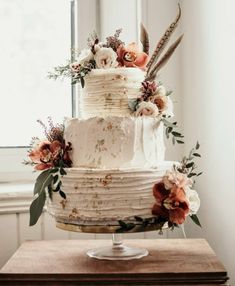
35,37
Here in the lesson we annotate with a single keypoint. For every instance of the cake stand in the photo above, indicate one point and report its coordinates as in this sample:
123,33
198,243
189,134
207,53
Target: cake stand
115,251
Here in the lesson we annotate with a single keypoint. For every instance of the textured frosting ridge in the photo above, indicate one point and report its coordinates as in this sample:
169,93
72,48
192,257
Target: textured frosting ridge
107,91
95,196
116,142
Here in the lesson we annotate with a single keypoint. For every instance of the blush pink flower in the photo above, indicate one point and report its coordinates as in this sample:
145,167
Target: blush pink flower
45,153
175,178
170,204
75,67
130,56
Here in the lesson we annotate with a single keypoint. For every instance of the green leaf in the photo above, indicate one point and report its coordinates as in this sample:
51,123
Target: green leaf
82,82
62,194
197,145
138,218
130,226
180,142
195,219
63,172
199,174
189,165
55,179
196,155
42,181
169,92
122,224
57,189
167,133
177,134
170,129
50,190
36,208
168,123
54,170
192,175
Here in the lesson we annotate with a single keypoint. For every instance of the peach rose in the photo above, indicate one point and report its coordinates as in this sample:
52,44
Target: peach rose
174,178
130,56
147,109
163,102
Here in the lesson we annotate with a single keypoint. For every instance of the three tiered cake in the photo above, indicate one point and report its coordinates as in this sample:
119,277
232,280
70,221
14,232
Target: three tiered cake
106,168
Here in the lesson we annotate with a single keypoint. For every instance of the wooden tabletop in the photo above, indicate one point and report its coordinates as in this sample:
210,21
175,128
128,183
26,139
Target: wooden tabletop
64,262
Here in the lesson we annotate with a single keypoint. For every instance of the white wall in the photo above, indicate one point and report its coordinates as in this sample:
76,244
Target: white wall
157,15
208,61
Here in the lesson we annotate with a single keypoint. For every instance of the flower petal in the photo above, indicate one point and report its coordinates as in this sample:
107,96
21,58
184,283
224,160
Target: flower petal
177,215
159,192
42,166
141,60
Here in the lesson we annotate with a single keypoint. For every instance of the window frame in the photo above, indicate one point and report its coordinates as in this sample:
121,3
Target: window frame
10,170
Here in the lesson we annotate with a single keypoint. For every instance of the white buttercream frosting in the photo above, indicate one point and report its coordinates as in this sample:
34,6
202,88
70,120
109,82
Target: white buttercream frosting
107,91
94,195
115,142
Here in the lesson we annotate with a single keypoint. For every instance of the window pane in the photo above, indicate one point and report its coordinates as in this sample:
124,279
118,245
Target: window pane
35,37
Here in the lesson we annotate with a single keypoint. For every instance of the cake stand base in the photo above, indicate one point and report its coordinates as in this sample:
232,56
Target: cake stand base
117,251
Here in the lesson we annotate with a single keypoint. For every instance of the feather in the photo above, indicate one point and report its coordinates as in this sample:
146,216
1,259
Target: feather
163,41
164,59
144,38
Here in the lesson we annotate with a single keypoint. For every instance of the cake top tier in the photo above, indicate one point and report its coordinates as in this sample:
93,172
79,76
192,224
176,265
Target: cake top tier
110,92
119,79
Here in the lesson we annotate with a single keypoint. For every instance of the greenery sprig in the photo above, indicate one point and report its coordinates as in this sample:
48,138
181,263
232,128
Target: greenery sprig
61,72
188,167
83,71
171,131
187,164
141,224
47,182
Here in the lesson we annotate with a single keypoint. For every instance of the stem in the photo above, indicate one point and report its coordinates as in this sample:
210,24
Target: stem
117,241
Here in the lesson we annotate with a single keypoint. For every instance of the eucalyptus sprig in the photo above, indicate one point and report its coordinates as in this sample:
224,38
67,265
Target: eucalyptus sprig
47,182
187,164
61,72
170,130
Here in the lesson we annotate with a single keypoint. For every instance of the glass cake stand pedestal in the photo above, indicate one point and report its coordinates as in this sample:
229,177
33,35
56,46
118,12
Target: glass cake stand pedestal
116,250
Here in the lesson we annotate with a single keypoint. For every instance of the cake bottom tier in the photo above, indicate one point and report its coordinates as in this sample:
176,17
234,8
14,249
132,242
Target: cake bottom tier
96,197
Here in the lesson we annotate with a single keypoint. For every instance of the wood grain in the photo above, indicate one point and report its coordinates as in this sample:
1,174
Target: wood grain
170,262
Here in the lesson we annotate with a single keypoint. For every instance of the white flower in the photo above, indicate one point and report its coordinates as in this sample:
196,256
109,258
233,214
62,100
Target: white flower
105,58
169,107
165,103
194,200
174,177
161,90
147,108
85,56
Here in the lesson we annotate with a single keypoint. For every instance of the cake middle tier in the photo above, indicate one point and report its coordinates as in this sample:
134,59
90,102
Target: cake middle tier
114,142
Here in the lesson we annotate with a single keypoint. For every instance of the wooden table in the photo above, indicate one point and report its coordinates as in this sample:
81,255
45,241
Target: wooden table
64,262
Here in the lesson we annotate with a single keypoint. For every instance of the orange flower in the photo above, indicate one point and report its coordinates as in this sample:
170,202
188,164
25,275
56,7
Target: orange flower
170,204
45,154
130,56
